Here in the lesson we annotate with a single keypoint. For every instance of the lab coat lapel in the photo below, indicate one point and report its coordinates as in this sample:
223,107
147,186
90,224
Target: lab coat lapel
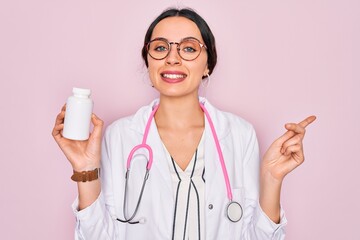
160,165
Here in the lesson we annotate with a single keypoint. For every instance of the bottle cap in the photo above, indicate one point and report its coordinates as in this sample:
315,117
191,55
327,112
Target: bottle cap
81,91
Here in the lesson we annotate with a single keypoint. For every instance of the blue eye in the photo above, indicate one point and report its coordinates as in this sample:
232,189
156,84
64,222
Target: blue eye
189,46
160,49
189,49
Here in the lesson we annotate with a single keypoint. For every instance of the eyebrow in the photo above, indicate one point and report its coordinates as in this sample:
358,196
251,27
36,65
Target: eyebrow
165,39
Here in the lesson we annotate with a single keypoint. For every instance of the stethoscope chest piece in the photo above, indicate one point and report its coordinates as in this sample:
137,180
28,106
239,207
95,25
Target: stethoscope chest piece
234,211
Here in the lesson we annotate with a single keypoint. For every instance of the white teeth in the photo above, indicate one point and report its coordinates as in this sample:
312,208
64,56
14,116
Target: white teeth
174,76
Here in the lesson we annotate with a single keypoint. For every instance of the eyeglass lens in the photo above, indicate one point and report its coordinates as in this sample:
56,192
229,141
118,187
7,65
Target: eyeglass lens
188,49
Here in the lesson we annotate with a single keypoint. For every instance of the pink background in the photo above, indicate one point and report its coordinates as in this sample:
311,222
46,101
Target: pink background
279,61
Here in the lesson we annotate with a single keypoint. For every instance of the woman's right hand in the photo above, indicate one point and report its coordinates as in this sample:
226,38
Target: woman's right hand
83,155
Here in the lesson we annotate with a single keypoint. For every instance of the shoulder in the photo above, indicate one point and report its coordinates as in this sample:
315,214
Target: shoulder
115,132
120,123
240,130
132,123
237,121
229,122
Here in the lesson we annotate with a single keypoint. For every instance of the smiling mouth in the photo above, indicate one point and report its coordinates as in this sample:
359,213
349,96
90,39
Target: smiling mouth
173,76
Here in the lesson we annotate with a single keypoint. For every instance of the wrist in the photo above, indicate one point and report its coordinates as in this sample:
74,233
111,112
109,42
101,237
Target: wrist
270,190
85,165
86,176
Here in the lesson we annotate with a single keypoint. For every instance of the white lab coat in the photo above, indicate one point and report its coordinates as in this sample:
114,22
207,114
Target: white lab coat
240,149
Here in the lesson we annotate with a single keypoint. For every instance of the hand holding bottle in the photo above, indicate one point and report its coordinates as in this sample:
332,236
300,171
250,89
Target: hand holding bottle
72,132
83,154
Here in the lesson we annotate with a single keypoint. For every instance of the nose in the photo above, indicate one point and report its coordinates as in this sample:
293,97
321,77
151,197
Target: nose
173,57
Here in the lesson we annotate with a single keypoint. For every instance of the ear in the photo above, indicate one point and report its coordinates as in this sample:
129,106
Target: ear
206,72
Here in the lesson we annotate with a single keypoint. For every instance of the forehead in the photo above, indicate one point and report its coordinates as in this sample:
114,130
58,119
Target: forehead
176,28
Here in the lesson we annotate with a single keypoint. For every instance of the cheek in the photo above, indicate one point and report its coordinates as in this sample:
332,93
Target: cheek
202,62
152,72
200,67
152,69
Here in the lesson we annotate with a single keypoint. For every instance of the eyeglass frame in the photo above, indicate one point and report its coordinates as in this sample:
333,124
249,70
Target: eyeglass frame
202,45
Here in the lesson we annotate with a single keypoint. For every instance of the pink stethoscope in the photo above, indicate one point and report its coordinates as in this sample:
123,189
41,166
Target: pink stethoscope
234,210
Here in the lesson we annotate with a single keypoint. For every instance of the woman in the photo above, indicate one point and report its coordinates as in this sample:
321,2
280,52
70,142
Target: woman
201,162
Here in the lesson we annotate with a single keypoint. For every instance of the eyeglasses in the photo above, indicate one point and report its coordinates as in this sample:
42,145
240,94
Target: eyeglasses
188,49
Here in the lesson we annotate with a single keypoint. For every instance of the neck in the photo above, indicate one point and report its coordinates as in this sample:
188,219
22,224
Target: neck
179,113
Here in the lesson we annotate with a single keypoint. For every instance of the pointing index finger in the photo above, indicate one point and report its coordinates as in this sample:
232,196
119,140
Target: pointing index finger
304,123
294,129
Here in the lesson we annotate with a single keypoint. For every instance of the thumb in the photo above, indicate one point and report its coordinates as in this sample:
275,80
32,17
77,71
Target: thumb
98,126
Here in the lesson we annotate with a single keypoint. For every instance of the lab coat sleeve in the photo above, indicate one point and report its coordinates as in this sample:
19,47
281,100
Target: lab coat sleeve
93,222
257,224
97,221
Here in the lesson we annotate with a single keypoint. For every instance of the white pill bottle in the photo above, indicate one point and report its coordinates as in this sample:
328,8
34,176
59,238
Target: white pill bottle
77,121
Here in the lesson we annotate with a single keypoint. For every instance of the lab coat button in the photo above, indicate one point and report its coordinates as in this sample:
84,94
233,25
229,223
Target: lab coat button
211,206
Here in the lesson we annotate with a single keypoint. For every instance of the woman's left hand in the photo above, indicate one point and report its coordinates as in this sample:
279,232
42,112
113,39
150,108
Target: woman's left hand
286,153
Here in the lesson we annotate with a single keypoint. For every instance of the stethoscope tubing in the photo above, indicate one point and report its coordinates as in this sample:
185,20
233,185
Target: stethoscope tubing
143,144
221,157
150,161
128,220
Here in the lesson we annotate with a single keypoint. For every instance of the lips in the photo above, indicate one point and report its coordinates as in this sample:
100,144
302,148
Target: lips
173,76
